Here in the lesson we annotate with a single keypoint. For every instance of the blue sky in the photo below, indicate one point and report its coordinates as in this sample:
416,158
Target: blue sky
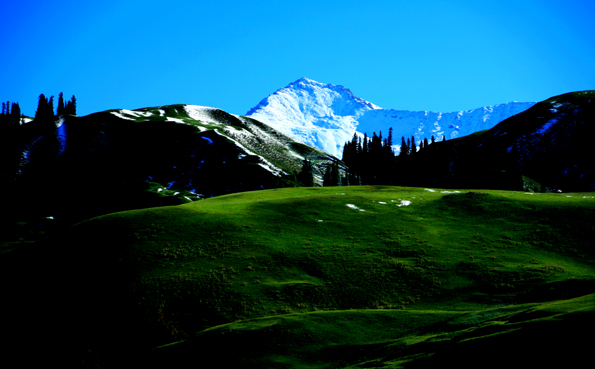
411,55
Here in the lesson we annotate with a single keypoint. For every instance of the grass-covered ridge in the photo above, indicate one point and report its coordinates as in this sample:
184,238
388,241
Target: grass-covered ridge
319,277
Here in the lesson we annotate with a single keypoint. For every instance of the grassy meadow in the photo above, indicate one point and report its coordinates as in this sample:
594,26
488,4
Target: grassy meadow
326,277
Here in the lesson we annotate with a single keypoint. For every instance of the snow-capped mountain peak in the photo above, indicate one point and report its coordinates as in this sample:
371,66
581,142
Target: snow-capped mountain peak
326,116
322,115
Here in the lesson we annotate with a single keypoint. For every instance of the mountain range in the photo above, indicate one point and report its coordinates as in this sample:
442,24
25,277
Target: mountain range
326,116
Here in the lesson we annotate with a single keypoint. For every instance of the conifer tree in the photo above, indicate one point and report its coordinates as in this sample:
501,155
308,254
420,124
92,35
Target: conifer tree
390,137
73,105
413,145
404,147
425,142
335,177
41,107
60,110
326,179
306,177
433,139
443,138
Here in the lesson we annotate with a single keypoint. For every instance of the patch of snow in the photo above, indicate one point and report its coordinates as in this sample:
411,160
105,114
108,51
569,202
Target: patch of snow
177,120
144,113
264,163
427,189
404,203
176,193
381,202
121,115
320,220
201,113
546,126
352,206
450,191
529,193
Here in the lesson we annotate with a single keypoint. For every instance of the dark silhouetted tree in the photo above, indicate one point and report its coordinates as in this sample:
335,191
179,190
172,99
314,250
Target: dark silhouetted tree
404,148
60,109
306,177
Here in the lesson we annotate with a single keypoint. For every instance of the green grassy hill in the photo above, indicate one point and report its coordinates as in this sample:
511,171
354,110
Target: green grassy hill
329,277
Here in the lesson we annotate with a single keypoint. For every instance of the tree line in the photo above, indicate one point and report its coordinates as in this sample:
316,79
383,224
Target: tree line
19,142
45,107
370,161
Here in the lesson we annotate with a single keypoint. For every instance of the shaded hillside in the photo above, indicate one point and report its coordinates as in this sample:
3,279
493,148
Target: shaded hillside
546,146
121,159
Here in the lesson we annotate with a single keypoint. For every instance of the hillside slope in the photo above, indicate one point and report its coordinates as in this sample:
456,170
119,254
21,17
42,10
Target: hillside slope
548,143
123,159
310,278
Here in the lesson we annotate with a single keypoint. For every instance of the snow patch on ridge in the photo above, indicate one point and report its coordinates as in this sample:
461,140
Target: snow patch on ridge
201,113
263,162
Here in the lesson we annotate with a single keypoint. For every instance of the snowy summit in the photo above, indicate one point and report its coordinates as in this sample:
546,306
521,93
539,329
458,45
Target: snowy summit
326,116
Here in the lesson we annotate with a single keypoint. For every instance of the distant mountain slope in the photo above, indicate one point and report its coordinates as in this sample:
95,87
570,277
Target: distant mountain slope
549,143
327,116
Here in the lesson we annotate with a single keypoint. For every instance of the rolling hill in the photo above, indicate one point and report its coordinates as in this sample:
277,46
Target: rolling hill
331,277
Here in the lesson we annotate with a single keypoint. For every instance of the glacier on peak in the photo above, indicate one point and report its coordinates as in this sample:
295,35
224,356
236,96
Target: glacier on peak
326,116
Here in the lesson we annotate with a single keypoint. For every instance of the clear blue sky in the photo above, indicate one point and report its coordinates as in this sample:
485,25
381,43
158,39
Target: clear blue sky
411,55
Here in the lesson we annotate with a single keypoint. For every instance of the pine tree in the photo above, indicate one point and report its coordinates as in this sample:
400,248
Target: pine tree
306,177
14,119
426,142
335,175
390,137
326,179
50,111
433,139
409,148
443,138
60,104
42,107
73,105
413,145
404,147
